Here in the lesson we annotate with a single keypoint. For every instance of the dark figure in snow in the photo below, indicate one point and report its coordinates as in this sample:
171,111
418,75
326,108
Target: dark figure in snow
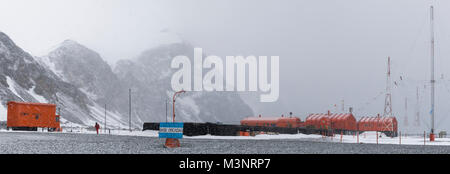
97,127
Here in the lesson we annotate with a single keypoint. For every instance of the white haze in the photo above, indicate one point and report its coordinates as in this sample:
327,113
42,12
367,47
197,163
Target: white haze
329,50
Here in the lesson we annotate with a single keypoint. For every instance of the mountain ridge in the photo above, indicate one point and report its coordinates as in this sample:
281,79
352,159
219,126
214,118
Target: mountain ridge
80,82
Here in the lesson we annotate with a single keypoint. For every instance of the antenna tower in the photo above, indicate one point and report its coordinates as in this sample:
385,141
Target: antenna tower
417,120
388,100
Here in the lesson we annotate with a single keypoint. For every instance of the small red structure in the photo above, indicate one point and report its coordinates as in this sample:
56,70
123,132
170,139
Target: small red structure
30,116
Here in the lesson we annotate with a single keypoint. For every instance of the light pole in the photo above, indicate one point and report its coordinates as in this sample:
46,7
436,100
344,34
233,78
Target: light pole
174,97
166,110
105,119
173,142
129,114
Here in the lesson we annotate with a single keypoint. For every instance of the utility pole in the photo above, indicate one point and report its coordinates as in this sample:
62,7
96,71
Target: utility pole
105,118
432,73
174,98
59,113
166,110
343,107
417,120
129,99
406,112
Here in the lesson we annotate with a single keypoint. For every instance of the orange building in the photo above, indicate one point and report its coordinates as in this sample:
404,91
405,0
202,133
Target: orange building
318,121
341,122
30,116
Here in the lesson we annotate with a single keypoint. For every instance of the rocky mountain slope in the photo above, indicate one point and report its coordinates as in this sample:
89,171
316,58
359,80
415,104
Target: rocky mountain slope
150,76
22,78
80,82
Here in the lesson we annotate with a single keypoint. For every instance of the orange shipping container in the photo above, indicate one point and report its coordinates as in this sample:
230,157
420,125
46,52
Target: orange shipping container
23,115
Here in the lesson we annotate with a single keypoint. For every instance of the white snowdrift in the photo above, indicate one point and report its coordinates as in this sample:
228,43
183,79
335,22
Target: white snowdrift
3,113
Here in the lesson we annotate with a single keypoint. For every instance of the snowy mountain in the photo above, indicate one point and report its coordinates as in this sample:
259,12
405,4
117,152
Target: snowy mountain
80,82
149,78
22,78
86,70
149,75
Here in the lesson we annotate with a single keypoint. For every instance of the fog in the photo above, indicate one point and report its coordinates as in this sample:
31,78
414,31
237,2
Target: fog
329,50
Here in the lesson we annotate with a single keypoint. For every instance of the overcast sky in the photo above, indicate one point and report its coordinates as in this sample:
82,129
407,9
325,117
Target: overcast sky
329,49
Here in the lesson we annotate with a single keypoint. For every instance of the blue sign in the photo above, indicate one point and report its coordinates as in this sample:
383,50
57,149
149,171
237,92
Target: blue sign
171,130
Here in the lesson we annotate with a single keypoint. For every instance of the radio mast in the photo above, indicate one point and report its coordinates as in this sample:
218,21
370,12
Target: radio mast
406,112
432,81
388,99
417,120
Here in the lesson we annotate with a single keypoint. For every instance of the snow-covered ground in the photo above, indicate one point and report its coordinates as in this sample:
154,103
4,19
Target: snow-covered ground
367,137
370,137
124,132
364,138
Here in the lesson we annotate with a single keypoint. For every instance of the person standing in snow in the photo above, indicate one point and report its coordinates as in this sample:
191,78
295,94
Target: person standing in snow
97,127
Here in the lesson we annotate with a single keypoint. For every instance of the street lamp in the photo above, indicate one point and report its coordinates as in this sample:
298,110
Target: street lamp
173,102
173,142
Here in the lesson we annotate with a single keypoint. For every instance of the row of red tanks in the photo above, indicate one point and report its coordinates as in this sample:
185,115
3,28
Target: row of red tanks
342,122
